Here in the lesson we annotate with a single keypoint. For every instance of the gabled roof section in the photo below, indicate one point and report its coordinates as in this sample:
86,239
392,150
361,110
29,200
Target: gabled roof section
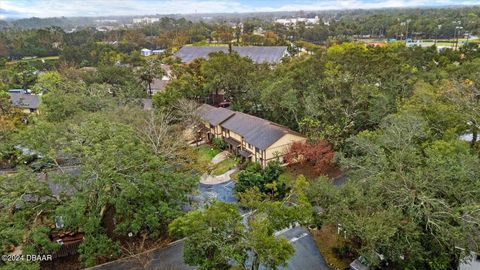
214,115
257,131
264,136
263,54
258,54
29,101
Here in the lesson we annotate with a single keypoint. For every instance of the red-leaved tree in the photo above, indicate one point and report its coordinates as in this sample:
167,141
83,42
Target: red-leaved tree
318,155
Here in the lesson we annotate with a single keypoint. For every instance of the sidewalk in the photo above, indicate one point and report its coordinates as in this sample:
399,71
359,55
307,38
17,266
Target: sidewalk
208,179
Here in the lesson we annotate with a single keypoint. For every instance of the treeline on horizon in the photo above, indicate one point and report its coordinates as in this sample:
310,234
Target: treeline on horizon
47,37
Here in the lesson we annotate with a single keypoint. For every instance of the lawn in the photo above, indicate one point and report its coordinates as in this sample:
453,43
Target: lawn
205,153
225,165
328,243
35,59
234,176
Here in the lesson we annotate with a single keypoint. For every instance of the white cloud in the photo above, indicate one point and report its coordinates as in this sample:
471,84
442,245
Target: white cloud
56,8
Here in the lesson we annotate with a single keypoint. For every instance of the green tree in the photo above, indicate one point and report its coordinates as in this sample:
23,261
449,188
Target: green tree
213,236
402,198
24,75
48,81
230,74
151,70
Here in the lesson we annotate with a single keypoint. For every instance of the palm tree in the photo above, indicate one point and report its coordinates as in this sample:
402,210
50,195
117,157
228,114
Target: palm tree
151,70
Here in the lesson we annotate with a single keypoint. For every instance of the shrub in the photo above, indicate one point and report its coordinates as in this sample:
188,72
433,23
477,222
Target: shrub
318,155
219,143
266,180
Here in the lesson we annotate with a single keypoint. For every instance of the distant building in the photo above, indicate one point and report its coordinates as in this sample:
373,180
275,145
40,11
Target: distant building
254,139
145,52
258,54
22,99
106,21
295,21
145,20
158,52
159,84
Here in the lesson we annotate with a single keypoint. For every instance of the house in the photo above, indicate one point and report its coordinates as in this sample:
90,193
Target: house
145,52
295,21
253,138
145,20
158,52
258,54
159,84
24,100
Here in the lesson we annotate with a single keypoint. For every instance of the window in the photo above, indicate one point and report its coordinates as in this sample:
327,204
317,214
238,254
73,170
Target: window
257,150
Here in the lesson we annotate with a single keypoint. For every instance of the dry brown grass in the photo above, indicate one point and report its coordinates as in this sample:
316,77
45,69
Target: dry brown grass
327,241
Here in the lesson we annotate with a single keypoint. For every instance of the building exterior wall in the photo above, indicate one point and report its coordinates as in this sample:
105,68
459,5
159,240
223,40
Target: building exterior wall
280,146
235,136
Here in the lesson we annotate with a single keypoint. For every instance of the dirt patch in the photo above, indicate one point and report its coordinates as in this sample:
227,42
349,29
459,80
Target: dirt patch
310,173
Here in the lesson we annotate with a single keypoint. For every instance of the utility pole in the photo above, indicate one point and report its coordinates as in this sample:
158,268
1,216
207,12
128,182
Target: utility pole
455,39
408,21
457,31
436,34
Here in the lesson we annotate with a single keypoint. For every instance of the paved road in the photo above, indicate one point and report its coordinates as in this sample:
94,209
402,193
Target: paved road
169,258
306,256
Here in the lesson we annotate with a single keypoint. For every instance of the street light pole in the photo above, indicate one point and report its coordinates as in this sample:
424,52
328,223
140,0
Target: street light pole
457,34
436,34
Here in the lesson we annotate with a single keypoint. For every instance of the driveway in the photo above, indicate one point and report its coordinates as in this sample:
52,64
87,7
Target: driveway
306,254
221,192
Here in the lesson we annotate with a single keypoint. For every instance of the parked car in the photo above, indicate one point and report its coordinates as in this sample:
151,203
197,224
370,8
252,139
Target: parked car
361,263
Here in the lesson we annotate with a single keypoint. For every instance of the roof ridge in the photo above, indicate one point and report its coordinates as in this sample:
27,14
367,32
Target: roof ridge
267,122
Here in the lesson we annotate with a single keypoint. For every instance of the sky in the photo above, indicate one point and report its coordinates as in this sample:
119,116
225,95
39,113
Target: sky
13,9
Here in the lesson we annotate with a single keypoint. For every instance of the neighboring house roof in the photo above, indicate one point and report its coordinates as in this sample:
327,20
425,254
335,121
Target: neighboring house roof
159,84
147,104
259,132
258,54
25,100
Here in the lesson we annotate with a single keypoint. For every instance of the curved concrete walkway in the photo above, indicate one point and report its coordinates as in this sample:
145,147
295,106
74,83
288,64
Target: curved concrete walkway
220,157
208,179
